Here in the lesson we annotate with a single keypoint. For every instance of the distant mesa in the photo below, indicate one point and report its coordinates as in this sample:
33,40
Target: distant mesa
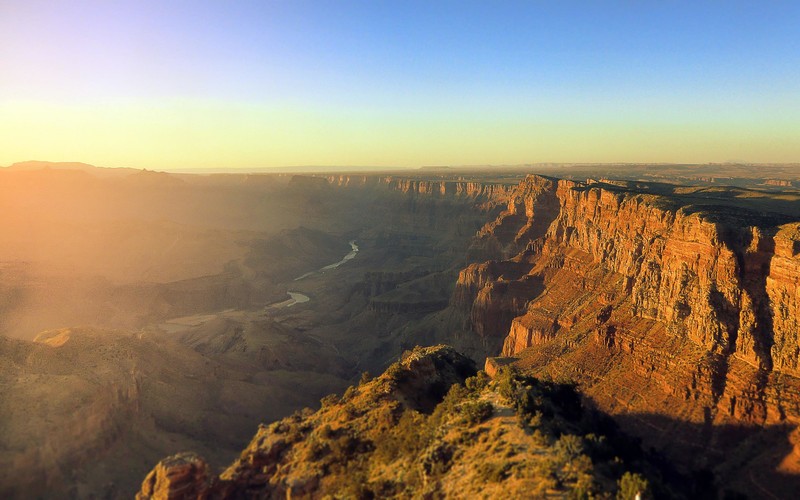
35,165
53,165
303,182
435,167
145,178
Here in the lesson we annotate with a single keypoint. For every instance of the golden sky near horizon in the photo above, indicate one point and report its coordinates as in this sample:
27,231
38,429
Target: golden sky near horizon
186,135
253,85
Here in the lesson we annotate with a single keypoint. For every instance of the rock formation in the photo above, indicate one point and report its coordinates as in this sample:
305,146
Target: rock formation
484,191
426,428
177,477
655,300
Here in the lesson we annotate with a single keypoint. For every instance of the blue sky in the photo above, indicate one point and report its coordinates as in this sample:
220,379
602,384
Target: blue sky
399,83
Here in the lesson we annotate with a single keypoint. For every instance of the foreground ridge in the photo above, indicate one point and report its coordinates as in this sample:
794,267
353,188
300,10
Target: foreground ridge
430,425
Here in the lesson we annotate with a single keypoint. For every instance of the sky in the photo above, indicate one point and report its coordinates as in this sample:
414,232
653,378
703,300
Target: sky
217,84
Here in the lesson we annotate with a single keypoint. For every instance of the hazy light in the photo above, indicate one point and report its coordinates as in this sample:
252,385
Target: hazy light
329,83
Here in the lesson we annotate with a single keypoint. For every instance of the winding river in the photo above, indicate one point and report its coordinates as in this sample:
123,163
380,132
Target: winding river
349,256
299,298
186,322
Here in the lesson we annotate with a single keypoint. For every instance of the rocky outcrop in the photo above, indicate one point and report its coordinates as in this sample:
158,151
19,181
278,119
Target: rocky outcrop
287,458
655,301
694,270
307,183
499,302
424,430
178,477
703,272
778,182
531,207
423,376
476,276
779,255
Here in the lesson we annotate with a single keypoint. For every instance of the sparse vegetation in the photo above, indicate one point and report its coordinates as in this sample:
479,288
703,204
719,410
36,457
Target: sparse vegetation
494,472
329,400
476,412
633,487
512,434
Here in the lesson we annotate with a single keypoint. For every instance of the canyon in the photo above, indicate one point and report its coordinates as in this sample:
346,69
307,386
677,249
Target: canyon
671,307
675,309
134,303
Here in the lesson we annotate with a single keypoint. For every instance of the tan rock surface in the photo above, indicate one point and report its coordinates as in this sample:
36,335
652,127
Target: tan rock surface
657,302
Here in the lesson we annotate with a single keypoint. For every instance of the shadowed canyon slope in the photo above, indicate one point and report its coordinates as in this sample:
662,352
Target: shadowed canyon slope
674,307
428,428
162,297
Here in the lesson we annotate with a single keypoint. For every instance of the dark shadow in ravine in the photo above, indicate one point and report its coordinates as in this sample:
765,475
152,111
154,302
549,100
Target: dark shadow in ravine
759,462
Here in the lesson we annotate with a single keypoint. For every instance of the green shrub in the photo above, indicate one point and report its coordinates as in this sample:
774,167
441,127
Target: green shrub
448,406
477,383
569,447
630,485
409,436
396,372
541,438
475,412
506,383
347,446
495,472
329,400
350,392
316,450
437,459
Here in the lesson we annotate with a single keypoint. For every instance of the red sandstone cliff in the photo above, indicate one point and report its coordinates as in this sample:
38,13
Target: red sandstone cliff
731,288
655,303
480,191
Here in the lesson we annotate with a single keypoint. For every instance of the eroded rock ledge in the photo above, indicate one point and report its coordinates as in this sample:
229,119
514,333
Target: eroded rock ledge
658,300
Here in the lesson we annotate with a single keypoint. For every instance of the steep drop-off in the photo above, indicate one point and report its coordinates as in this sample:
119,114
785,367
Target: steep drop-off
668,305
427,428
86,412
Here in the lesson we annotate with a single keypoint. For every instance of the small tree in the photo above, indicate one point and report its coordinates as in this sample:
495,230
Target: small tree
633,486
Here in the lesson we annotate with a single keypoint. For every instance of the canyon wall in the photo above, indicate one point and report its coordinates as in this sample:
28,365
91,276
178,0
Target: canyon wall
487,191
598,265
677,314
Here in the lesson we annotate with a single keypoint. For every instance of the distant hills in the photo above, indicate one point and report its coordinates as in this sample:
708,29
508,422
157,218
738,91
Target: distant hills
34,165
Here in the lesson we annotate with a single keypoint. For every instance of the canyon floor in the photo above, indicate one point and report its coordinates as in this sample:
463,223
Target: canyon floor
145,314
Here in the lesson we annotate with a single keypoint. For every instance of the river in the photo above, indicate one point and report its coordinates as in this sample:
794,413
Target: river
349,256
186,322
299,298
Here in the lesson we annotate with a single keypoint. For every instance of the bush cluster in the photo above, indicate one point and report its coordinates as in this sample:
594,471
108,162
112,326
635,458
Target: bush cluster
582,452
586,444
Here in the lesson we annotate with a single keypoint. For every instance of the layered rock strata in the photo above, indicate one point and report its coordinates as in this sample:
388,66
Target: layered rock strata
656,304
487,191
